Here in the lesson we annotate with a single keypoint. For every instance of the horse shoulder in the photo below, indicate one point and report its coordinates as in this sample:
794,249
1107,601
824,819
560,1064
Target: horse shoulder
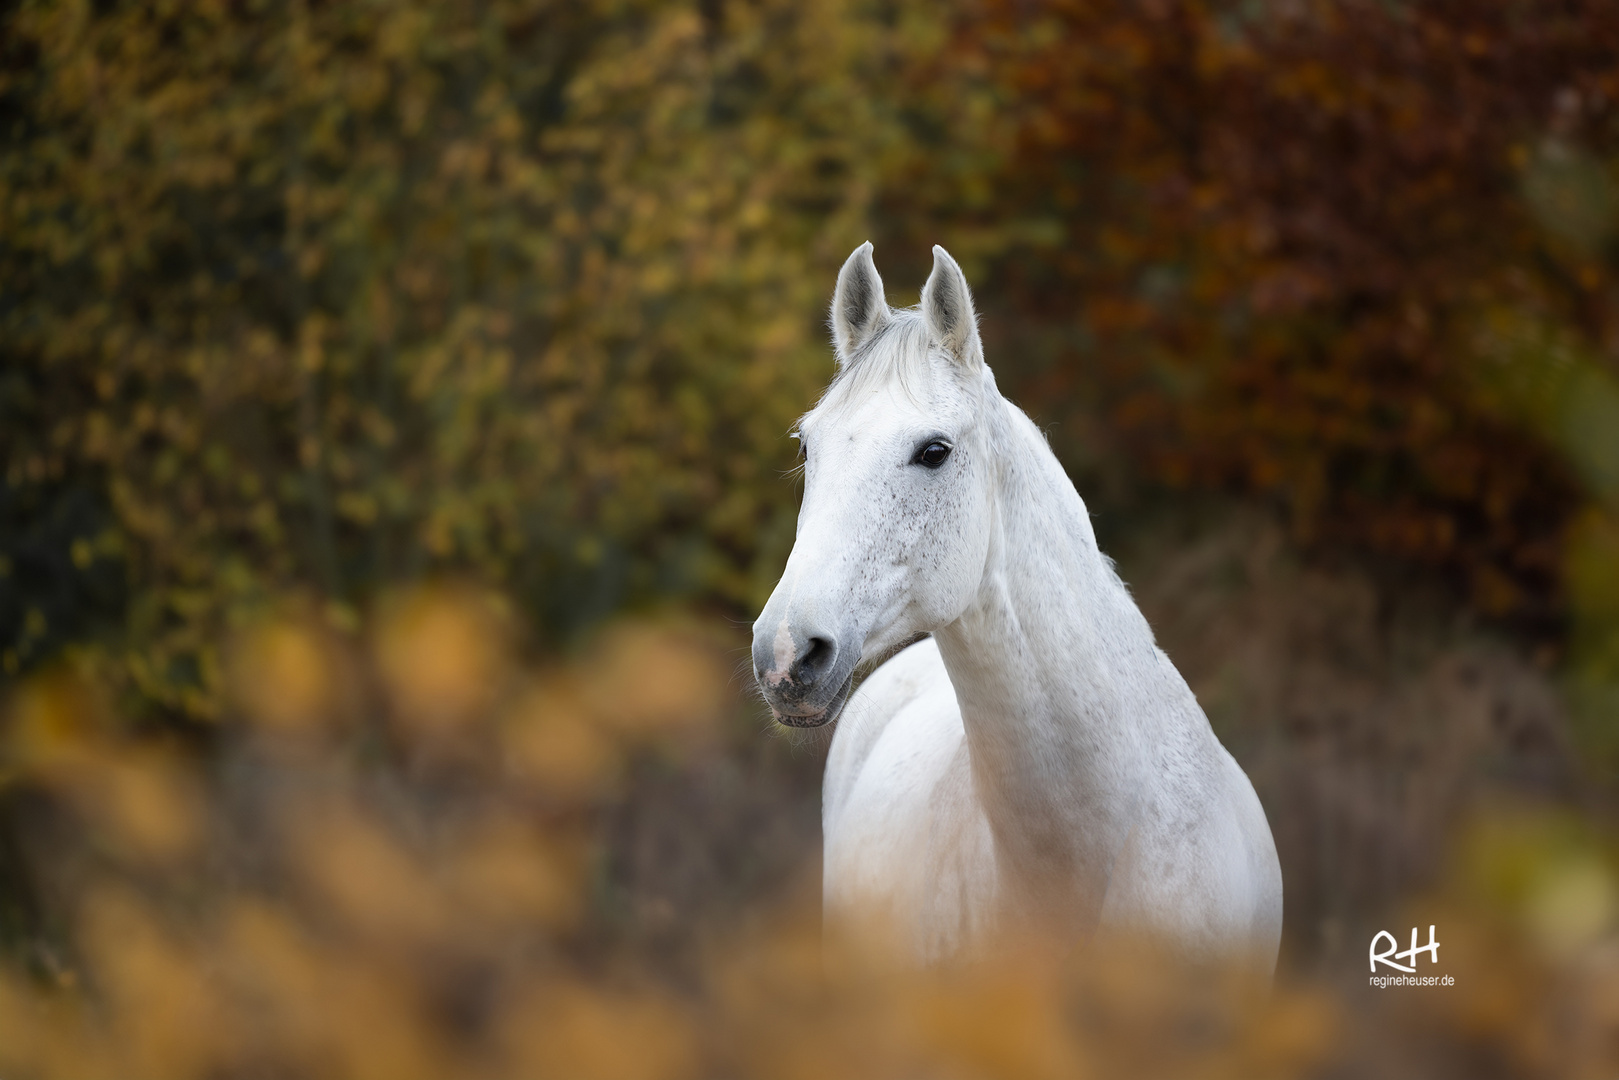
1264,868
1201,863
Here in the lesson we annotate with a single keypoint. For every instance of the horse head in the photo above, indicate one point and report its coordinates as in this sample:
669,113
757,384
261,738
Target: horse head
899,483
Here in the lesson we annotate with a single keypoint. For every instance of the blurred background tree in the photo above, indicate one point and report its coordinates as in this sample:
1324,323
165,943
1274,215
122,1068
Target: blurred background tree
318,298
1279,241
301,304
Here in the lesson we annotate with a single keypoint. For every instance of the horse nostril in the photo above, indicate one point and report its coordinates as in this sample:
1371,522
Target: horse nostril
816,659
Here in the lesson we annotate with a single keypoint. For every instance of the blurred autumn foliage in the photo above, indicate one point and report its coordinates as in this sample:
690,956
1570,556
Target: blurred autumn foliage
318,297
391,869
321,297
1288,240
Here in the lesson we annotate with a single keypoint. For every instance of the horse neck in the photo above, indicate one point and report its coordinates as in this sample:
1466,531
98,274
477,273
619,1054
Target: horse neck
1062,691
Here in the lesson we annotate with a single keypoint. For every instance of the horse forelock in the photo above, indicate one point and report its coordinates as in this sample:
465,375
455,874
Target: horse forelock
901,356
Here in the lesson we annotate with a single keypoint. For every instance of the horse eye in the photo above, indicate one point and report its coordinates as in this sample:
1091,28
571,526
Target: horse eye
803,448
933,454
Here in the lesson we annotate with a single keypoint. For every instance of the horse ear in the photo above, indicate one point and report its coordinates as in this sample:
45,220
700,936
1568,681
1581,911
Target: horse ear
947,305
859,309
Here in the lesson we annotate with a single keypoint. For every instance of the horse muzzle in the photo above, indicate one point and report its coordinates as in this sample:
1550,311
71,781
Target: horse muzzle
805,676
833,710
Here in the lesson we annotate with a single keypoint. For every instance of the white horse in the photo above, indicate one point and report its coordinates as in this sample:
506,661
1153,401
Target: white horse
1037,763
